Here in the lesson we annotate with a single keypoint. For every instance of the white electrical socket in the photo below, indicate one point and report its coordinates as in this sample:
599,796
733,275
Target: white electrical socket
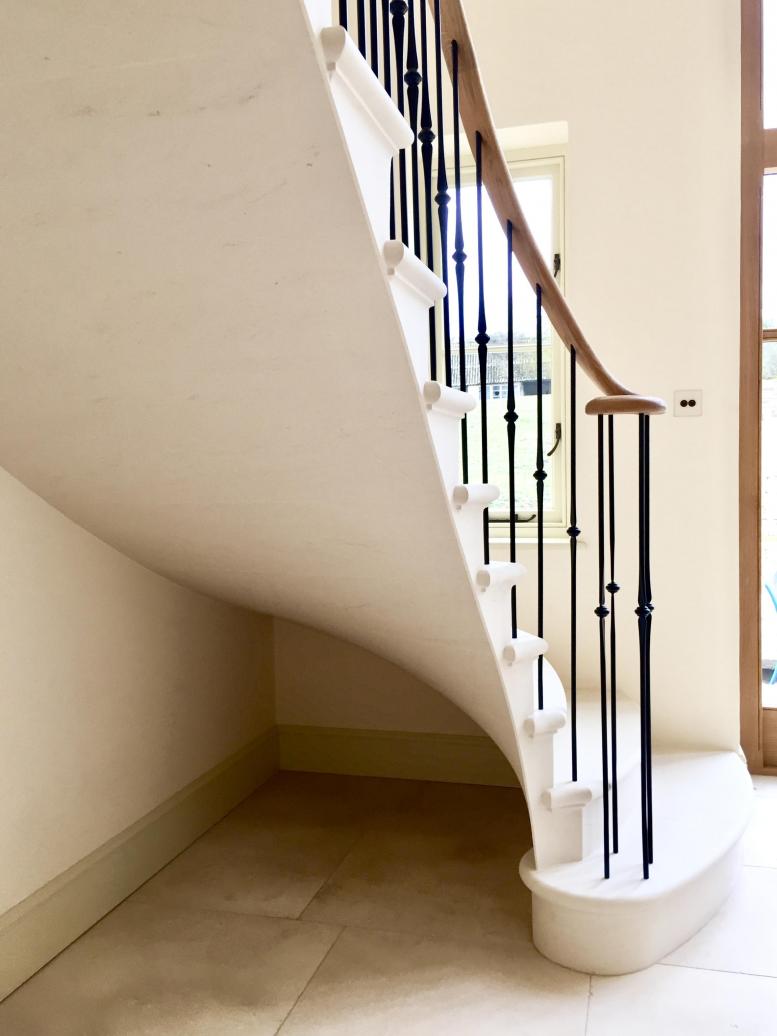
687,403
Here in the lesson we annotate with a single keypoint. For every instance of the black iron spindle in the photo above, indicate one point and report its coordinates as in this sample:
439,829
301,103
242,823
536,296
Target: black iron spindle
511,417
412,81
361,27
482,337
573,532
642,612
539,476
398,11
387,83
442,197
601,612
343,5
374,36
426,136
648,632
612,589
459,255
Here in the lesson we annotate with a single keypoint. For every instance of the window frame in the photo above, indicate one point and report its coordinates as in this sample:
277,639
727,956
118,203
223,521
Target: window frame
758,726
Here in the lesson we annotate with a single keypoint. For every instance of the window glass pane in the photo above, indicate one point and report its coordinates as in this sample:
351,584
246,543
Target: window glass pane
769,450
770,251
536,194
769,525
770,62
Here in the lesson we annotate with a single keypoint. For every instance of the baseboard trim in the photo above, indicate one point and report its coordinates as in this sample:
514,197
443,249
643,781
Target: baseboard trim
457,758
41,926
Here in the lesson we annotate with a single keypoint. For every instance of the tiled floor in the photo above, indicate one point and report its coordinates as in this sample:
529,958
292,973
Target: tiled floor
339,905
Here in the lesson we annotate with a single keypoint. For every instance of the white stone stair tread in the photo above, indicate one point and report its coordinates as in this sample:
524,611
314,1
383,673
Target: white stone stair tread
474,494
342,58
524,647
499,573
545,721
701,806
406,267
448,401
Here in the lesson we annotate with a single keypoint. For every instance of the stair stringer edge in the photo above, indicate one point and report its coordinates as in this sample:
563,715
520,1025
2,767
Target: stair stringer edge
496,730
532,758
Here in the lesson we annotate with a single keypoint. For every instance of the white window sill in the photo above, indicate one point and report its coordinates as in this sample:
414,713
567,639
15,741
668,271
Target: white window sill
552,538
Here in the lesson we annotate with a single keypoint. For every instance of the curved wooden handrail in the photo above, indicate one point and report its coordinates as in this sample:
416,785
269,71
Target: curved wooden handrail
476,117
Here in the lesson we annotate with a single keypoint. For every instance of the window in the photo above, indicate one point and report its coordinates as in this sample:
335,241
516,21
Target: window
539,184
768,446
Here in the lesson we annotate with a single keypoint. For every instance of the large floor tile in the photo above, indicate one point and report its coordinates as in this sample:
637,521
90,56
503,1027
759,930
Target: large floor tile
765,785
385,983
673,1001
274,852
145,971
497,816
274,868
742,937
322,798
438,883
761,836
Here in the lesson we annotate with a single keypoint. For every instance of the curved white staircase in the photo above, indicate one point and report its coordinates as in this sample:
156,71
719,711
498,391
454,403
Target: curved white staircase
295,457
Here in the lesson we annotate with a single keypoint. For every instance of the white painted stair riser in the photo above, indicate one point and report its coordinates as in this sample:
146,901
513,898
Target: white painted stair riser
415,289
469,525
701,807
494,584
599,943
445,408
374,130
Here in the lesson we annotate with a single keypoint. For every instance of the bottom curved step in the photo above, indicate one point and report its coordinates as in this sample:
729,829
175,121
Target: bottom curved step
702,804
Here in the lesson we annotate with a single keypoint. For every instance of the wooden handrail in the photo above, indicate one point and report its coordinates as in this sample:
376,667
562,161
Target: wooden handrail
476,117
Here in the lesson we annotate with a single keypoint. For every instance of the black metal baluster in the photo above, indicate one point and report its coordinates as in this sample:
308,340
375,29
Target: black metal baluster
344,13
398,11
442,197
573,532
612,589
539,476
412,81
648,631
387,84
601,612
642,612
361,28
511,417
426,136
459,255
481,337
374,36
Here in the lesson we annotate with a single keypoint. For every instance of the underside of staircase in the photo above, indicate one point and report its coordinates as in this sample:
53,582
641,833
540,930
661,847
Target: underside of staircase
227,363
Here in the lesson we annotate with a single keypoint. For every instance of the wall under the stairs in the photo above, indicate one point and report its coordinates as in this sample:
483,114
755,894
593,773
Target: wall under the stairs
119,688
323,681
650,92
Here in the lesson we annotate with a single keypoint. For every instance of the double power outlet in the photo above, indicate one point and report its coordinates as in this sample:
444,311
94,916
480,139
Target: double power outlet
687,403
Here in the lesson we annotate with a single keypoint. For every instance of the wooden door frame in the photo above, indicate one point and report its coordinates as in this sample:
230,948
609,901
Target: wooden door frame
759,155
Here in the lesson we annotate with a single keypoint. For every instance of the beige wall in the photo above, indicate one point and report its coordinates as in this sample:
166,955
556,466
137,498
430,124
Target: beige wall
322,681
650,92
117,689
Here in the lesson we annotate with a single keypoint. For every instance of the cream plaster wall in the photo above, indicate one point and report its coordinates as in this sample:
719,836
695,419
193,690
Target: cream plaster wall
650,93
117,688
322,681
